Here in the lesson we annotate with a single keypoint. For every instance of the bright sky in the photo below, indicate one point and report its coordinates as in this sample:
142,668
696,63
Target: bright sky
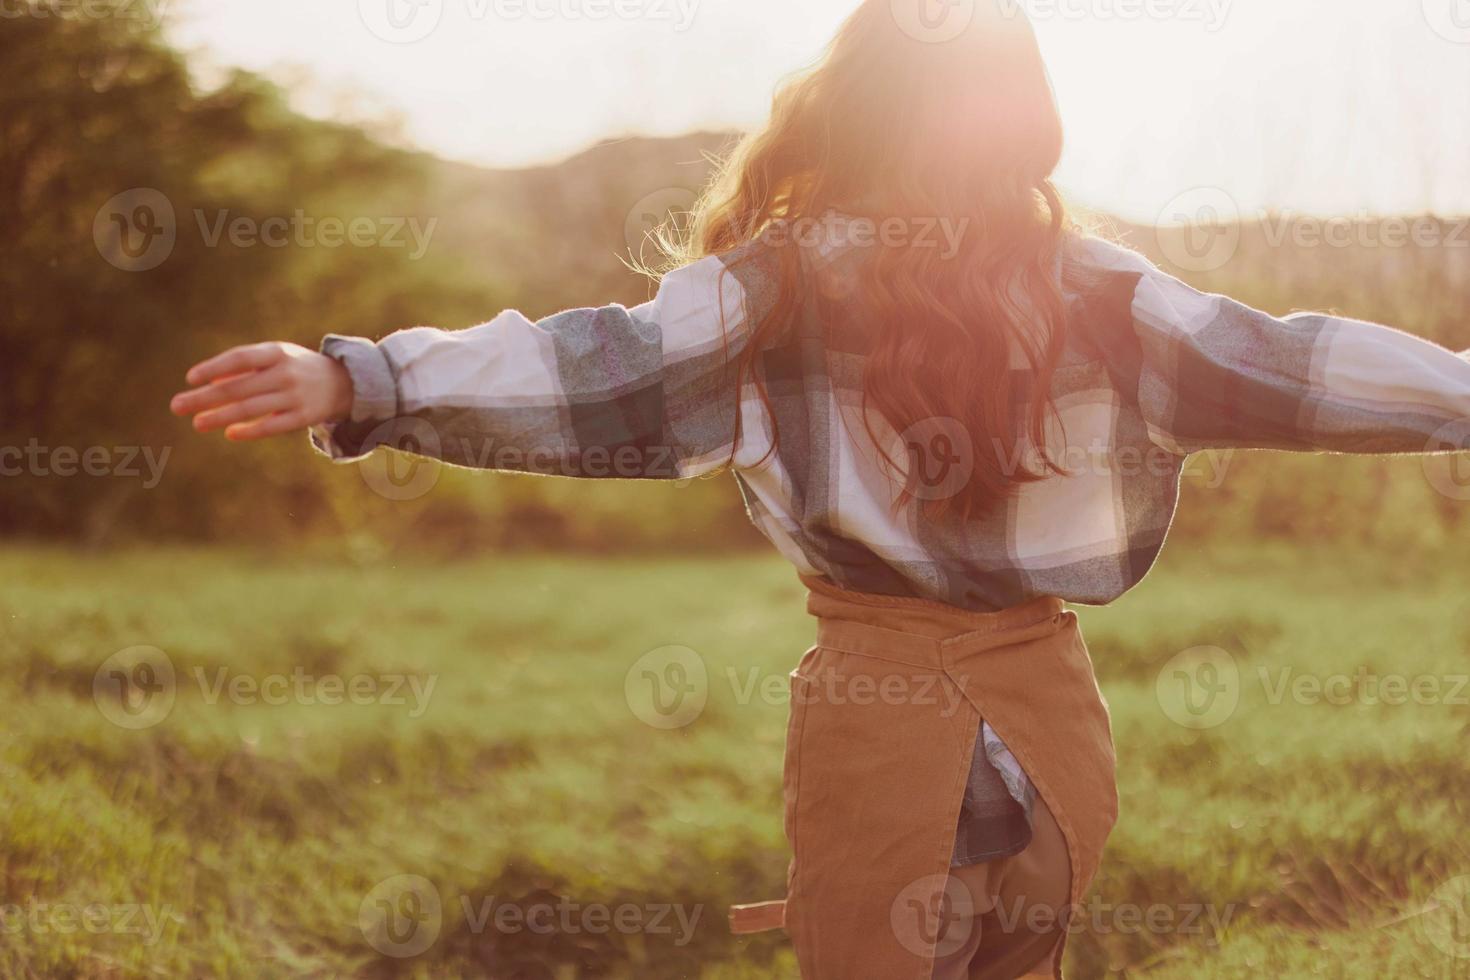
1326,106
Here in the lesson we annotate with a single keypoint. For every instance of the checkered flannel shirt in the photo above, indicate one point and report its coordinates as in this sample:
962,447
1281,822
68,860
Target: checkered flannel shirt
1153,371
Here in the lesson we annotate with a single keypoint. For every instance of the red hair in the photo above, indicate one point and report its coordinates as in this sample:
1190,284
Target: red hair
893,125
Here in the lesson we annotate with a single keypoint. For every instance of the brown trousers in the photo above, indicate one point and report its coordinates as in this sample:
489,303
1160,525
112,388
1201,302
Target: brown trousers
885,711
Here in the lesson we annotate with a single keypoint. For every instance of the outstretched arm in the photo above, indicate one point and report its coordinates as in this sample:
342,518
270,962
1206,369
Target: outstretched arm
1212,373
647,393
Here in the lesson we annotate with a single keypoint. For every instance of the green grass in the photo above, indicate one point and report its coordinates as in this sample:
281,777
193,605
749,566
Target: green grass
253,833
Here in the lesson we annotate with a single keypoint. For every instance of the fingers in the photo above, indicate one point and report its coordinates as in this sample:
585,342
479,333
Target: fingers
219,393
243,411
248,391
236,360
264,428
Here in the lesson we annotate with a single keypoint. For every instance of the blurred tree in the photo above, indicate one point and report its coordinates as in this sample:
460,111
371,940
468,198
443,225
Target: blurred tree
118,184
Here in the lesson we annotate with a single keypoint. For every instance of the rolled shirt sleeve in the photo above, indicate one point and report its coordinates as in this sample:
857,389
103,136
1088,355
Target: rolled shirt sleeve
644,393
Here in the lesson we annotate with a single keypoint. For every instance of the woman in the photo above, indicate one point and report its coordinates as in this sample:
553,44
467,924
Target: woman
951,411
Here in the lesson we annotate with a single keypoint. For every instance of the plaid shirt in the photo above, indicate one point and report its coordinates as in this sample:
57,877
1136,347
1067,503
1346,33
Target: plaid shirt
1153,371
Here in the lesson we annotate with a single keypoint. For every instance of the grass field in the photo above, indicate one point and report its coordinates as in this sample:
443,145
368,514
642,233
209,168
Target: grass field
234,824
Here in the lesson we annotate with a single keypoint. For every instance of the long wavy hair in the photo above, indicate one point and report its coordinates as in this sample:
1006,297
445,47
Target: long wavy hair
919,122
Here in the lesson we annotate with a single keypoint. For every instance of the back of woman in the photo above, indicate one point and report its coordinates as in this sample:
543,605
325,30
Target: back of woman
951,410
878,509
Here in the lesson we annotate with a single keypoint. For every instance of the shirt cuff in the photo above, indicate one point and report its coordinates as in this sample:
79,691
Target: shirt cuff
374,399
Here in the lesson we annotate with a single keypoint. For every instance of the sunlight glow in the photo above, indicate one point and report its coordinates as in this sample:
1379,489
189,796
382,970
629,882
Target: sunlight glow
1323,106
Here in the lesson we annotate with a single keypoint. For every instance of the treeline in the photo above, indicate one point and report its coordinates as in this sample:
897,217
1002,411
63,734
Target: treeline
149,223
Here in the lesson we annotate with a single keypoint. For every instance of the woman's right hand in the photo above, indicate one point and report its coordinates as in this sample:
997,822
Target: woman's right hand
262,390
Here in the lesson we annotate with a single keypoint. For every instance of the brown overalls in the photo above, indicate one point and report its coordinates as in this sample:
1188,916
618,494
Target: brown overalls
885,711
